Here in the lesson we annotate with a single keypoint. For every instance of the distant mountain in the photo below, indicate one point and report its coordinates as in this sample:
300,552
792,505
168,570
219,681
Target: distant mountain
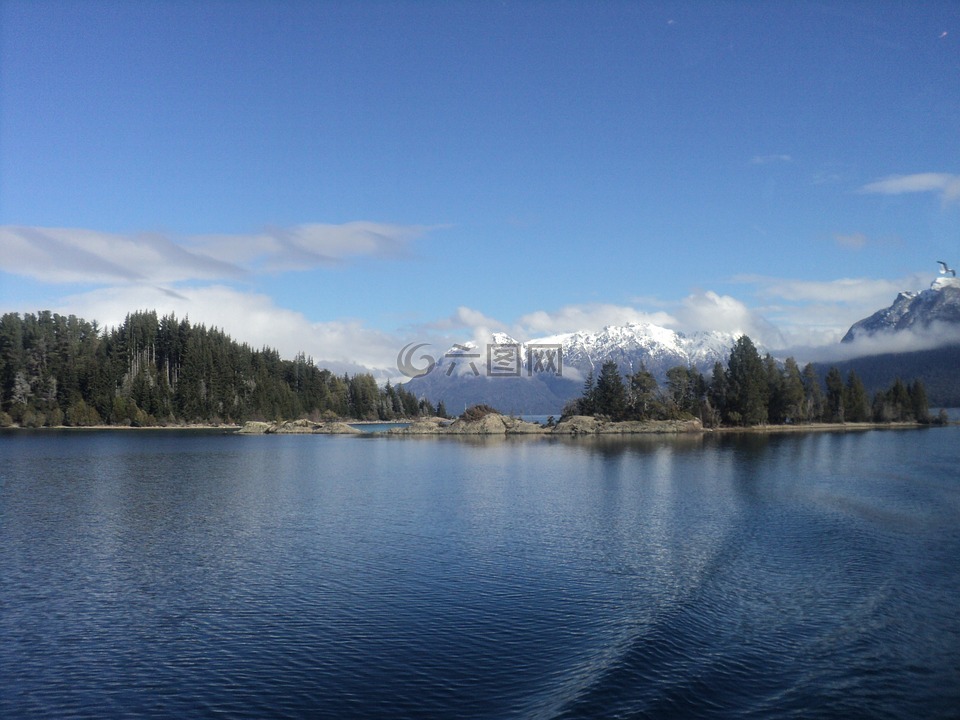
938,368
544,374
935,309
924,328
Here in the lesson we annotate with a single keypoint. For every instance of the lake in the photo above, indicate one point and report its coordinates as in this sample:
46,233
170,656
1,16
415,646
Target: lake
200,574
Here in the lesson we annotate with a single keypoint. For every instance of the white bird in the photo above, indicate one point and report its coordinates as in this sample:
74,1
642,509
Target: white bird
944,270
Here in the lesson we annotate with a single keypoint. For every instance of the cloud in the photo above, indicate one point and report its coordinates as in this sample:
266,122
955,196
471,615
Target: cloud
303,247
710,311
860,291
76,255
854,240
68,255
246,317
943,184
767,159
816,313
590,317
936,335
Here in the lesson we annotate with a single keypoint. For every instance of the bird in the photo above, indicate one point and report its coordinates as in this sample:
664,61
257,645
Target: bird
944,270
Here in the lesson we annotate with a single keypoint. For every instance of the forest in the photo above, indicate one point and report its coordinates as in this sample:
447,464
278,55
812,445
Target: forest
151,370
749,390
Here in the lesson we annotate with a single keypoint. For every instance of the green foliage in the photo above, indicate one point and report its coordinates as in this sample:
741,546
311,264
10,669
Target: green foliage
835,408
749,391
610,397
746,385
160,370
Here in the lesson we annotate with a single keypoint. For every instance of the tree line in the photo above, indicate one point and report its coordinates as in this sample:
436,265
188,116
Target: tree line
150,370
749,390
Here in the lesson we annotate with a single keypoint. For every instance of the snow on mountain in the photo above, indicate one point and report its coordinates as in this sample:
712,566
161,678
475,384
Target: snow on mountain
541,375
913,311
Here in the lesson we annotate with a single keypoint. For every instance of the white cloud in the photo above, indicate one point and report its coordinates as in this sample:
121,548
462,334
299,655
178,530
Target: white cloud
853,240
246,317
711,311
76,255
307,246
858,291
590,317
817,313
936,335
943,184
64,255
767,159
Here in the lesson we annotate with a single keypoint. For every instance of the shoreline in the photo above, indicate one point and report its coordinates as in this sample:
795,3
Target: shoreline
605,429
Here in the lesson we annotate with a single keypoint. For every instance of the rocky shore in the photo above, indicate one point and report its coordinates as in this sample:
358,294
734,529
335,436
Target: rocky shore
496,424
577,425
297,427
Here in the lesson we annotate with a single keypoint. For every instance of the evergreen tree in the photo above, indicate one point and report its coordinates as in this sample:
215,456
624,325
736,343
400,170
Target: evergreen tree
717,394
642,401
610,397
918,400
855,401
793,393
812,394
587,403
747,391
776,402
835,408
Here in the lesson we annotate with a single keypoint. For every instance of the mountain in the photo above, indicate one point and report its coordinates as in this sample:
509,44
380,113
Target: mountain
934,310
540,376
917,337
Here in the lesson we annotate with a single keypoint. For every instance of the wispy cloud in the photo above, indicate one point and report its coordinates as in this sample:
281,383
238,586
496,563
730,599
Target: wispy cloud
859,291
69,255
304,247
589,317
854,241
76,255
945,185
767,159
818,313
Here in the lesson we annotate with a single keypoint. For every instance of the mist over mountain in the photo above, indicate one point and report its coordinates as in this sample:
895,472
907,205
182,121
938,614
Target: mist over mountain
916,337
930,316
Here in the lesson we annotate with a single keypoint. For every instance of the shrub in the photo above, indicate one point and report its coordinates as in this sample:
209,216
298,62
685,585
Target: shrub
476,412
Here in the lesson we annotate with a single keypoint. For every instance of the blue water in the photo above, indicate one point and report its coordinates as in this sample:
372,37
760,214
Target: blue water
192,574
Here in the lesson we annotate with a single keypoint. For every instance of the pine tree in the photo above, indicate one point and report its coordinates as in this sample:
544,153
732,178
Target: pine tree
610,395
793,392
918,401
855,401
747,391
642,400
835,408
812,394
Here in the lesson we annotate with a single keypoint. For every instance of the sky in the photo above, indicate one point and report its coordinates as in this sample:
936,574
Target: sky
344,178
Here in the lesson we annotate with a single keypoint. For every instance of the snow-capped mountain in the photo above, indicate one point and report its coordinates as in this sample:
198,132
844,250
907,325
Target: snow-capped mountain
541,375
657,348
938,306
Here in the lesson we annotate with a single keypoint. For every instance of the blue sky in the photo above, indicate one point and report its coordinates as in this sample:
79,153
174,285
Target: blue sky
343,178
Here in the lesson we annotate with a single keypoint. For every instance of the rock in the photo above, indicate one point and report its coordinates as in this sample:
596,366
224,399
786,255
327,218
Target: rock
420,427
336,428
491,424
576,425
255,427
297,427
